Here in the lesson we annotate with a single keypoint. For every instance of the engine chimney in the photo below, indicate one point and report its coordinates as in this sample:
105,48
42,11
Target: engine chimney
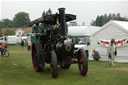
62,20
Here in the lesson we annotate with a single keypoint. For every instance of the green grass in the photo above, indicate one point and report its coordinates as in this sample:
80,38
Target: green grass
17,70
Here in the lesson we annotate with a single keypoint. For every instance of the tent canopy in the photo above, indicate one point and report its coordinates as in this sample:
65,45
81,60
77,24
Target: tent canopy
122,25
82,30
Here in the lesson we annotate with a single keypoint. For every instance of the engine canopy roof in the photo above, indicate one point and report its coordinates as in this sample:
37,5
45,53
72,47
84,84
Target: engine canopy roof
51,19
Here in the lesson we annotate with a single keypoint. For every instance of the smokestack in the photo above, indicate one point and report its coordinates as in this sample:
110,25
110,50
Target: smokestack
62,20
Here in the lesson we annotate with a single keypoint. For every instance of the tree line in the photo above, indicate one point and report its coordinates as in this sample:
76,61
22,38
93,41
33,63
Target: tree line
22,19
103,19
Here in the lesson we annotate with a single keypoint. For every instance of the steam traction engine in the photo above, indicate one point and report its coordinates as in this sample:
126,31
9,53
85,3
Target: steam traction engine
52,45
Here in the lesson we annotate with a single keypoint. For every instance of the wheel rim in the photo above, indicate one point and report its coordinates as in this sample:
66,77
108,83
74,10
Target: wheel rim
80,63
34,57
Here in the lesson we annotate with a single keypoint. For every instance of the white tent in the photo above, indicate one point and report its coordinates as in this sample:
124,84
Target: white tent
113,29
82,30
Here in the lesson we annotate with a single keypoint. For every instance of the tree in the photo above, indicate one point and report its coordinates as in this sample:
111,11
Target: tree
100,22
21,19
6,23
43,14
47,12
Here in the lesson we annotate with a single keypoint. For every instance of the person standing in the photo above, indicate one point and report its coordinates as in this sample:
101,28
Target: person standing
111,52
29,45
22,44
1,49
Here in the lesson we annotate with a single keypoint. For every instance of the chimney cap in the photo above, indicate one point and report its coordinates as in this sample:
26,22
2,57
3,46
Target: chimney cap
61,9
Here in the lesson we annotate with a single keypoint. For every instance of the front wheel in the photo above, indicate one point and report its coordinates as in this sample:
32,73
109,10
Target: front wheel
54,69
82,62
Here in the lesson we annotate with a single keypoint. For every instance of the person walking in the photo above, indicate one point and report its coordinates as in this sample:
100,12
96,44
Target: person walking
111,52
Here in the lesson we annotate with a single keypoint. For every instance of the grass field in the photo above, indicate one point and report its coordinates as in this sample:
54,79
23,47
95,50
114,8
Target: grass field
17,70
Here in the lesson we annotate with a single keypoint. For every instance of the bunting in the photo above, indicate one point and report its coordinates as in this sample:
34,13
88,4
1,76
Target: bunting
117,42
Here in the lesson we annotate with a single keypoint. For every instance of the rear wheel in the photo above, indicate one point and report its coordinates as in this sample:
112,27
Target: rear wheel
38,58
54,69
82,62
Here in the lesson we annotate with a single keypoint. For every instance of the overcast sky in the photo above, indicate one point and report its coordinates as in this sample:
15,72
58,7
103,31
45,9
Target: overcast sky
86,11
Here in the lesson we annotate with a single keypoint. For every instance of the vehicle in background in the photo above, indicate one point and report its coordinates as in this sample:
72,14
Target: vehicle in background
24,38
29,36
3,39
12,40
81,42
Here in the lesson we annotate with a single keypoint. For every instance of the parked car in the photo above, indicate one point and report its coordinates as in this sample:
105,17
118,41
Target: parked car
81,42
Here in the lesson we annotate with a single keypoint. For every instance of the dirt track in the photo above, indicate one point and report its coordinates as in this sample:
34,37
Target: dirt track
121,69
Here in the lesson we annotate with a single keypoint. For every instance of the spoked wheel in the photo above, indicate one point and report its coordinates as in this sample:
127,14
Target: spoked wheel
82,62
38,58
54,69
